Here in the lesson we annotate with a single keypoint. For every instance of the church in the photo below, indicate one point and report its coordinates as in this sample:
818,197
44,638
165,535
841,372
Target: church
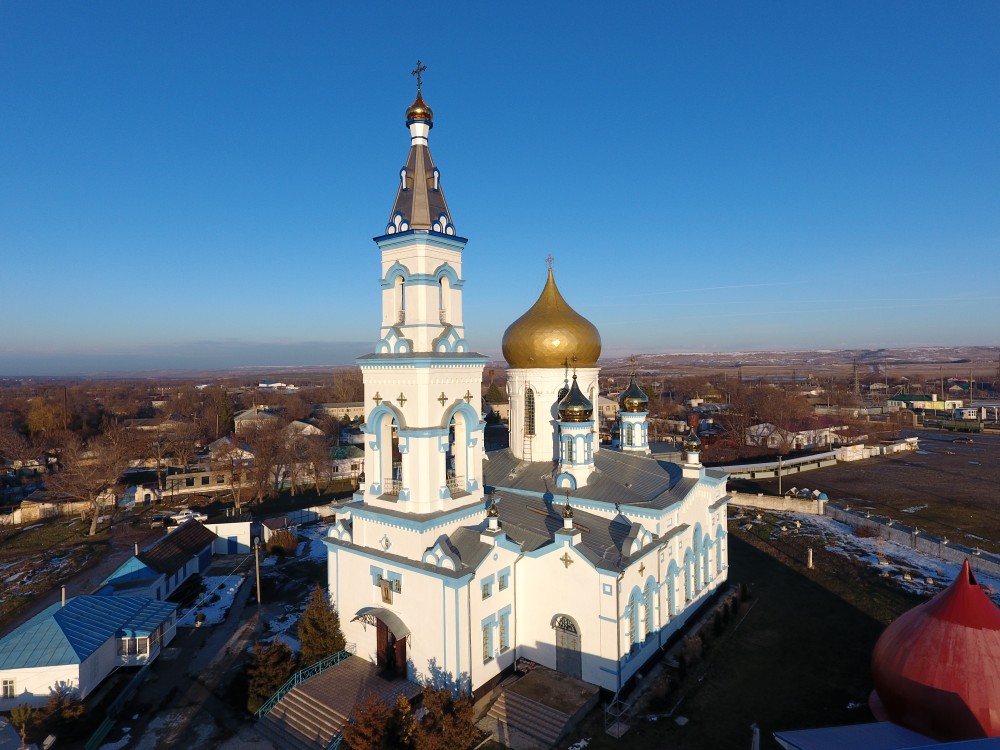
452,563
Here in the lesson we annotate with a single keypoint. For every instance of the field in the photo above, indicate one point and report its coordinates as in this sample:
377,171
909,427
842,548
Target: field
947,488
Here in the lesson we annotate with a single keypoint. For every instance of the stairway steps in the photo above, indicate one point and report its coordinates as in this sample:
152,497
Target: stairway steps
529,717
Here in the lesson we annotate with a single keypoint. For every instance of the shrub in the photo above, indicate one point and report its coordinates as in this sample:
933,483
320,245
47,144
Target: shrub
283,542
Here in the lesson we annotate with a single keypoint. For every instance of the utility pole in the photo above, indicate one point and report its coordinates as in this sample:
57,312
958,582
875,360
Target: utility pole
256,559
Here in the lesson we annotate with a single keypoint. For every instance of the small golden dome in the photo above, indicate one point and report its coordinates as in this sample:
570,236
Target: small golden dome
493,511
550,334
692,443
574,406
567,510
419,111
633,399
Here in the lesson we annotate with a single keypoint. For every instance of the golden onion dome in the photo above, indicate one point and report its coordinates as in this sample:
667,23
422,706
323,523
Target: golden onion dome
419,111
633,399
567,510
692,443
574,406
551,334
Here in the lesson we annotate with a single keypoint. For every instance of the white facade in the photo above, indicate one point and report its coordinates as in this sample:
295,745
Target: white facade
585,563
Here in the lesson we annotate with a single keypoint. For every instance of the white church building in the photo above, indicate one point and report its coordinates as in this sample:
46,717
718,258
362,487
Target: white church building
452,563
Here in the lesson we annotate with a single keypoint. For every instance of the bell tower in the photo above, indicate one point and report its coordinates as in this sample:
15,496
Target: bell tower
424,447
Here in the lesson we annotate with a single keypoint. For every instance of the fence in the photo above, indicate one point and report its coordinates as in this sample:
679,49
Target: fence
906,536
114,709
773,502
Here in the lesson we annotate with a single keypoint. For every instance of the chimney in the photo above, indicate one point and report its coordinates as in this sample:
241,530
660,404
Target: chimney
64,595
135,549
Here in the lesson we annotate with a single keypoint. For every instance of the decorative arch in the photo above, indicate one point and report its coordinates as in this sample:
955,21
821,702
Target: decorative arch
445,271
632,615
396,271
565,481
689,567
672,572
388,477
650,606
567,633
461,423
720,537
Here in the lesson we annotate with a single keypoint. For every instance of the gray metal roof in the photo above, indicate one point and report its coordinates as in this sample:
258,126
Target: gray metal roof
621,478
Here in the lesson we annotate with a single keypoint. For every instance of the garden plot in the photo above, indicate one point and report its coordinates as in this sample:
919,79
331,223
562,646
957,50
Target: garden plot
214,603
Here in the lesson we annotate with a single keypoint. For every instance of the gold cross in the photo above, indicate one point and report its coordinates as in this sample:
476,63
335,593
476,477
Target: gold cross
467,396
401,399
549,259
442,398
566,559
642,568
377,398
418,73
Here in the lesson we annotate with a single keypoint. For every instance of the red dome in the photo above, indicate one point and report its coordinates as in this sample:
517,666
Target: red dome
937,668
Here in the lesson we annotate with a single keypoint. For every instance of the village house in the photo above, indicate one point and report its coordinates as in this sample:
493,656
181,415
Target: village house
74,645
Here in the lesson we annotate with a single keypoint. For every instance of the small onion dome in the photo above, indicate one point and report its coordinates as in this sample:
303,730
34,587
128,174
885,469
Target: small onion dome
632,398
692,443
419,111
574,406
936,669
551,333
493,511
567,511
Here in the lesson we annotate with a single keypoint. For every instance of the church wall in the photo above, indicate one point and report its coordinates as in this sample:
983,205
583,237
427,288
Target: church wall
496,612
546,588
434,608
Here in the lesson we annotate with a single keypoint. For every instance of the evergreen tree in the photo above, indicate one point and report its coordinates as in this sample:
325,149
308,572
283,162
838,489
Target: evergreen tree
447,723
21,717
368,726
319,629
269,667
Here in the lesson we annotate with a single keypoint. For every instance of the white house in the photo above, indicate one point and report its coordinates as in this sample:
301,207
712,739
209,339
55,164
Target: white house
768,435
76,646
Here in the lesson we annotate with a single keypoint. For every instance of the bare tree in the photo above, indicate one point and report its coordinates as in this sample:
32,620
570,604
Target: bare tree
317,456
267,443
230,458
91,471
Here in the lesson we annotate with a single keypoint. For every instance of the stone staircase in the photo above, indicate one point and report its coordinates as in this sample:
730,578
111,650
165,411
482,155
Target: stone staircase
312,714
524,724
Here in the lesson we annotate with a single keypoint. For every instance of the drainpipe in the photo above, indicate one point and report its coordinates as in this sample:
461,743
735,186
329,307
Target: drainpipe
135,549
513,575
618,631
468,605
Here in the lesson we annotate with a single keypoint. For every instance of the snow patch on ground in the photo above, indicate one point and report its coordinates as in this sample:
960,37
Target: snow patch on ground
911,569
120,744
313,547
220,591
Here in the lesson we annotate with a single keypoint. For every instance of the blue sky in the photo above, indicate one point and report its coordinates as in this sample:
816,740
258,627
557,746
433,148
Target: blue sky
192,184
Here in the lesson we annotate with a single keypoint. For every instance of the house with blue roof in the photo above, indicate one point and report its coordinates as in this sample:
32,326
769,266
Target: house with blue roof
76,645
163,566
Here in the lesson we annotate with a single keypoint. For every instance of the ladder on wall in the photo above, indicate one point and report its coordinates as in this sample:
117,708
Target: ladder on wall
526,449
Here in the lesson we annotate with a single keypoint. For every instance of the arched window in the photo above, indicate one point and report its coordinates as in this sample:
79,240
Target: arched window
400,295
456,458
718,553
628,435
529,413
632,614
569,450
649,608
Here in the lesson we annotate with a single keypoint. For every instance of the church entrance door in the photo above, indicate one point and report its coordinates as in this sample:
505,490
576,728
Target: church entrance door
568,657
390,653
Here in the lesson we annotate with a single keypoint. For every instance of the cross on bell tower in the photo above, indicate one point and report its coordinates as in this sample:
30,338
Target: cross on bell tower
418,72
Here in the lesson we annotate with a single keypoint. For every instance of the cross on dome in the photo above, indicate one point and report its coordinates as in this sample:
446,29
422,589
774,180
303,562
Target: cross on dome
418,72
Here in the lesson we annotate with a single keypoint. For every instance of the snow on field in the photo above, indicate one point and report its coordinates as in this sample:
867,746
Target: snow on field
910,569
220,591
313,547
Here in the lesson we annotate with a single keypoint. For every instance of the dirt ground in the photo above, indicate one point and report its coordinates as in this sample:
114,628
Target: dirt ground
947,488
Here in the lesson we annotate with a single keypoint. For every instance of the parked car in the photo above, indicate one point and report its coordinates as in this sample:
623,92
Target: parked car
187,515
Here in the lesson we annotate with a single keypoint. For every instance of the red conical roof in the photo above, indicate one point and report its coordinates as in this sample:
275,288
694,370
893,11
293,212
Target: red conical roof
937,668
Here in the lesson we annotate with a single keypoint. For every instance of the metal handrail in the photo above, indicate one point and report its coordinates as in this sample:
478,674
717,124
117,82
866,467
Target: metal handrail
392,486
456,484
304,674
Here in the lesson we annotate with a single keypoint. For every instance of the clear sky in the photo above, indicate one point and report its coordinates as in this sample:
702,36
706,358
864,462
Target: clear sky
191,184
